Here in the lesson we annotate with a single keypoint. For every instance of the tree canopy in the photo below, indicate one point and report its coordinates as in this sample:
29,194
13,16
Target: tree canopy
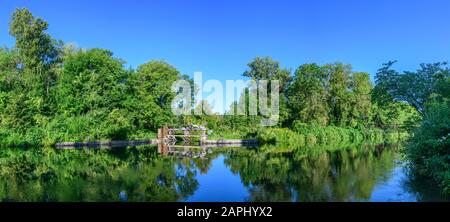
411,87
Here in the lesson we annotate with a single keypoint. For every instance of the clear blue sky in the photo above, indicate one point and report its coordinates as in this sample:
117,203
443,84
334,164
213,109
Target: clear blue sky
219,38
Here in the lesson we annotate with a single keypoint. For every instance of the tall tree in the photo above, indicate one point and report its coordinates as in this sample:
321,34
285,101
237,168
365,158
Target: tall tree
360,99
265,68
338,96
307,95
152,83
37,49
411,87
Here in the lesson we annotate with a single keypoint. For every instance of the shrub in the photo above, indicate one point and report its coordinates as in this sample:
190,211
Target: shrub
429,148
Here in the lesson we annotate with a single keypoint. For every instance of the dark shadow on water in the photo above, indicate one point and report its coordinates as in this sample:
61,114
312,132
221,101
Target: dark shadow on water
422,187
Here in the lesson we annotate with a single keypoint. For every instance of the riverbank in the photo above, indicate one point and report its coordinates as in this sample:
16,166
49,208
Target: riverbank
429,148
300,135
309,136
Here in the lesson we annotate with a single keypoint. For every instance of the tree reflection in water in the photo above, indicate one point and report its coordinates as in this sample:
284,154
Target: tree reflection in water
341,175
134,174
150,173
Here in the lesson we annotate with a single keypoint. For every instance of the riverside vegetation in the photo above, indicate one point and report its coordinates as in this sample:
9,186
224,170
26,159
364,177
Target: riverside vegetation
51,91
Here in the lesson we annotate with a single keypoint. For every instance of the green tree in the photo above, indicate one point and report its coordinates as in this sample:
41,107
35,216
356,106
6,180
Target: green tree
265,68
429,149
307,95
38,51
9,71
360,99
411,87
152,84
90,95
338,93
91,80
427,90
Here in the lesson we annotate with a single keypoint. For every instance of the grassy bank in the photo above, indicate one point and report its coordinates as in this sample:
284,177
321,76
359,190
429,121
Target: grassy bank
37,137
310,136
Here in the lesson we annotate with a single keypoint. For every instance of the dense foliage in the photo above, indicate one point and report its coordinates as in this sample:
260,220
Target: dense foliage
305,135
428,91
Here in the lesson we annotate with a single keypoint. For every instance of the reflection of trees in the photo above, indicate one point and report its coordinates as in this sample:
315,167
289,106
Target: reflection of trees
420,185
341,175
139,174
134,174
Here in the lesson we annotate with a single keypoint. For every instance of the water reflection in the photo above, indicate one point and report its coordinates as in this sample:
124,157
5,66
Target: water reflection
152,173
347,175
132,174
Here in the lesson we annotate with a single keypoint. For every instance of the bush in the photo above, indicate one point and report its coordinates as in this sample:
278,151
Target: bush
308,135
282,135
429,148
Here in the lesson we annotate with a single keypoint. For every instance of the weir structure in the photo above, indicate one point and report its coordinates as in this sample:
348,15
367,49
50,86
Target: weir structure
188,135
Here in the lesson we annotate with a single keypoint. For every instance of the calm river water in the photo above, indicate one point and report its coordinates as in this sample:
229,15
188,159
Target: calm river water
267,173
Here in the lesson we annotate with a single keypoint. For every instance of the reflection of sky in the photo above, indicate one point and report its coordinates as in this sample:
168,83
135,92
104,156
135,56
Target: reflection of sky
219,184
393,190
